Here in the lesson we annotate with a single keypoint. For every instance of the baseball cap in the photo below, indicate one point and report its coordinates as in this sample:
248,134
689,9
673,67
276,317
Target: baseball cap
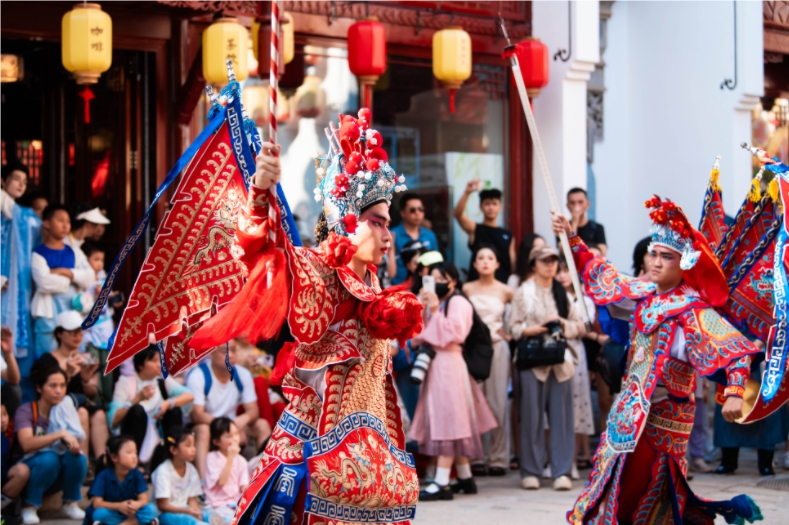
68,320
542,253
95,216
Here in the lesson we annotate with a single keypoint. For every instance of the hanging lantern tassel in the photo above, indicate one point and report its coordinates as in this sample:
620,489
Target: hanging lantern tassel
87,95
452,100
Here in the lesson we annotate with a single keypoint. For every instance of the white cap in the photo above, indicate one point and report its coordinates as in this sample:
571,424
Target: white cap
95,216
68,320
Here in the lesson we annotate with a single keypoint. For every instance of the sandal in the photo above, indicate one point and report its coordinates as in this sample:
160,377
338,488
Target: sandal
515,463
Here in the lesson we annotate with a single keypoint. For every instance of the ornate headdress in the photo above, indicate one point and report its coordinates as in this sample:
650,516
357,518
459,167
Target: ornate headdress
671,229
354,174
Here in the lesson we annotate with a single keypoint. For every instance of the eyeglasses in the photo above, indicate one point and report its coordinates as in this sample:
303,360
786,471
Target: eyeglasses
414,210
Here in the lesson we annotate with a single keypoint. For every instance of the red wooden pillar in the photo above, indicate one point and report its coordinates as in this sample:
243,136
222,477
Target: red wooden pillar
520,199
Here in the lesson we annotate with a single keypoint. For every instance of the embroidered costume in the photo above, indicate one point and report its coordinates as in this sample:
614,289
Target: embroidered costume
639,468
338,452
227,262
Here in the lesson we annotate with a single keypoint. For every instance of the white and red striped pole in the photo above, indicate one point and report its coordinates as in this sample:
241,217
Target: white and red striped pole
272,123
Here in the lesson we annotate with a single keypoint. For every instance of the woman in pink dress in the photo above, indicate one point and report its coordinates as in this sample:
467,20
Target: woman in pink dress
452,412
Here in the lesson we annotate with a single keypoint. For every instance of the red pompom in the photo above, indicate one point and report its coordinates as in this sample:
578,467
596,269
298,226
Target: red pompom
366,114
378,153
350,222
395,313
374,139
350,131
352,167
338,250
373,165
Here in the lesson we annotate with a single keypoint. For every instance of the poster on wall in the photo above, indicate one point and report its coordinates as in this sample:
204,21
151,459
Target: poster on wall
460,169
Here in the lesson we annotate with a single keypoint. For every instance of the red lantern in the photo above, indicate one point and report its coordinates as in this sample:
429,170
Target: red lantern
533,59
263,51
367,54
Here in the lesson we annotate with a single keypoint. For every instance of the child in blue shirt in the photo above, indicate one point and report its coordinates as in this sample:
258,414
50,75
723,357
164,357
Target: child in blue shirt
119,492
59,273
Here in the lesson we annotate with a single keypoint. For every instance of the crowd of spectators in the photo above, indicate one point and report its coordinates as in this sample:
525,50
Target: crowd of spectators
194,438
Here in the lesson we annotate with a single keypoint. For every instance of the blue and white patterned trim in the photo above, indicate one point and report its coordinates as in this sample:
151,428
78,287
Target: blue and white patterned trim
350,423
296,427
351,513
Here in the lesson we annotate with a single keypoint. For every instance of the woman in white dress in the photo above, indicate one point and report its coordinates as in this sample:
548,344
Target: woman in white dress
490,298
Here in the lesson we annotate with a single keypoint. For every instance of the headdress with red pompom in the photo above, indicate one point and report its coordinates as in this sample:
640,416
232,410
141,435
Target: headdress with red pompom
354,174
703,272
671,229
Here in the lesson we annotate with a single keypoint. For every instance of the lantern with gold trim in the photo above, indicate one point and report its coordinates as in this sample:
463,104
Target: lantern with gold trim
452,59
224,40
87,42
367,54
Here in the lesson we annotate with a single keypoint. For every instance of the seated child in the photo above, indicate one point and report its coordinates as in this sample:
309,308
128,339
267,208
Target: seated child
226,471
176,484
119,492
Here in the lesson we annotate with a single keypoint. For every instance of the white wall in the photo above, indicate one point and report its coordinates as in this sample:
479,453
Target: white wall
560,109
665,116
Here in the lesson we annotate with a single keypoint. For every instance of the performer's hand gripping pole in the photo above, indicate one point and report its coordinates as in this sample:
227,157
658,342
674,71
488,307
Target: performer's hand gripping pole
273,85
535,136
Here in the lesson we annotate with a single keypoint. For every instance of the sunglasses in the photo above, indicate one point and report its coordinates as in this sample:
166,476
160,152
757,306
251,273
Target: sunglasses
414,210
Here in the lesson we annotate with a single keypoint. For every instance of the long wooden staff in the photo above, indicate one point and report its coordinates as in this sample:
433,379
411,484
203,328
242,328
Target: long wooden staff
535,137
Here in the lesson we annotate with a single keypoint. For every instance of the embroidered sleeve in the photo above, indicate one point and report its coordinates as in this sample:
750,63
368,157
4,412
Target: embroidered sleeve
736,376
581,254
712,344
252,231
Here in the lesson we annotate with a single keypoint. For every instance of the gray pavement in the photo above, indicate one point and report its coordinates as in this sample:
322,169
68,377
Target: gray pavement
501,501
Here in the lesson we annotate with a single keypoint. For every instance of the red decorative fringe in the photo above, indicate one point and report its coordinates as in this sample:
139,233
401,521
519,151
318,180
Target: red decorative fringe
257,312
286,360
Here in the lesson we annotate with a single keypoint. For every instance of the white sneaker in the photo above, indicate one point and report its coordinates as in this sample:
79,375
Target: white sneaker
530,483
30,516
786,461
72,511
574,473
562,483
546,473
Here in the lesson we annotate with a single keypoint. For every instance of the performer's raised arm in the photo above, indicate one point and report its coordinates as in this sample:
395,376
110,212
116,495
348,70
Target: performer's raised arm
252,233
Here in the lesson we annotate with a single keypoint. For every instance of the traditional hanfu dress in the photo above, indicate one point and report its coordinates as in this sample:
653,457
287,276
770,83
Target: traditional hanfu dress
21,232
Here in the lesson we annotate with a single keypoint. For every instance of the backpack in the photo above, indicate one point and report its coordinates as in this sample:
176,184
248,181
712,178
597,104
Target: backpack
478,347
209,380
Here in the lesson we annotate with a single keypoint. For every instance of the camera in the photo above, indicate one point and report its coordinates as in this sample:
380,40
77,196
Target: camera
424,355
554,328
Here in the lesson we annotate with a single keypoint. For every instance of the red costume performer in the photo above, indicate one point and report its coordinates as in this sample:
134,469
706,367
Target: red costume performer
337,454
639,468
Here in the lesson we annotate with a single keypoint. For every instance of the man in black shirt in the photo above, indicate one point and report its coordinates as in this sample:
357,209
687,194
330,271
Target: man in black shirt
487,233
588,230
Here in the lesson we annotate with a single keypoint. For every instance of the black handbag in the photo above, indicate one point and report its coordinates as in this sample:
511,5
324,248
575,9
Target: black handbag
540,350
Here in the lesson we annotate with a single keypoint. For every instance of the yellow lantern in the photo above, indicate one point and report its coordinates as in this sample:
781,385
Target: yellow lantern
288,39
87,42
225,39
452,59
256,102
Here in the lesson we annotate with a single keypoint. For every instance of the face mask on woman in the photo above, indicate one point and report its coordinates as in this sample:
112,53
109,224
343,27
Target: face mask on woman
442,290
